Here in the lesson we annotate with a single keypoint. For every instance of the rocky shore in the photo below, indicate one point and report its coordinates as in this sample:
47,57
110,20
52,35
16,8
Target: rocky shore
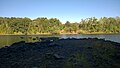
61,53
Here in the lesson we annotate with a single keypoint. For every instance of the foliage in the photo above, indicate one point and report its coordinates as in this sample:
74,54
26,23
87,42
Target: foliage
43,25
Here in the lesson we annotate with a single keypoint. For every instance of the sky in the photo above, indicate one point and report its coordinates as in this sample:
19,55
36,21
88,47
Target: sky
64,10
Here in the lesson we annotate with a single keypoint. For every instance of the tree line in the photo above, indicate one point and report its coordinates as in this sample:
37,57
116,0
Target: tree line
43,25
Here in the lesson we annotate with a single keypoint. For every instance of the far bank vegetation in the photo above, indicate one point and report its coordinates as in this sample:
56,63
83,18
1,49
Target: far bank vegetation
43,25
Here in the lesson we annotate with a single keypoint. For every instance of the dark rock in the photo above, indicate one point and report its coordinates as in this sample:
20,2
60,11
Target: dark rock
48,55
34,38
35,67
31,43
53,44
18,43
95,38
57,52
74,38
102,39
51,39
90,47
84,39
57,57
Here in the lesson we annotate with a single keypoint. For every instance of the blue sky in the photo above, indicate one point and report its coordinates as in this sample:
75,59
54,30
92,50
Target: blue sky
71,10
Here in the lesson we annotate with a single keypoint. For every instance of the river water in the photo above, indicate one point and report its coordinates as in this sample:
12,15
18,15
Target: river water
8,39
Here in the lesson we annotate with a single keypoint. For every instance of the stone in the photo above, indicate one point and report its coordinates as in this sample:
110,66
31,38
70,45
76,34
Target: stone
57,57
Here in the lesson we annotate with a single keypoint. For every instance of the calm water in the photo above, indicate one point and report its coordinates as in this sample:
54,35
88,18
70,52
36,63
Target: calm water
7,40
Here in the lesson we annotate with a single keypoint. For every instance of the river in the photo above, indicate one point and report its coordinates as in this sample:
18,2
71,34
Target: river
9,39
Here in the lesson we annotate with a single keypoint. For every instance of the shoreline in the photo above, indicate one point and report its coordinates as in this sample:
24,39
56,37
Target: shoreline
59,34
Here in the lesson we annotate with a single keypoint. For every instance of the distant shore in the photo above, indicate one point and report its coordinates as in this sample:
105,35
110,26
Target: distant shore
62,33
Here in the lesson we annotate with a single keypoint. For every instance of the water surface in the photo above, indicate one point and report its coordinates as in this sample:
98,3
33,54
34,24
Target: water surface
8,39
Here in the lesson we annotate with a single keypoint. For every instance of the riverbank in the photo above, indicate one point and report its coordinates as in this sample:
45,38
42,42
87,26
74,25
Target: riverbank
62,33
61,53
